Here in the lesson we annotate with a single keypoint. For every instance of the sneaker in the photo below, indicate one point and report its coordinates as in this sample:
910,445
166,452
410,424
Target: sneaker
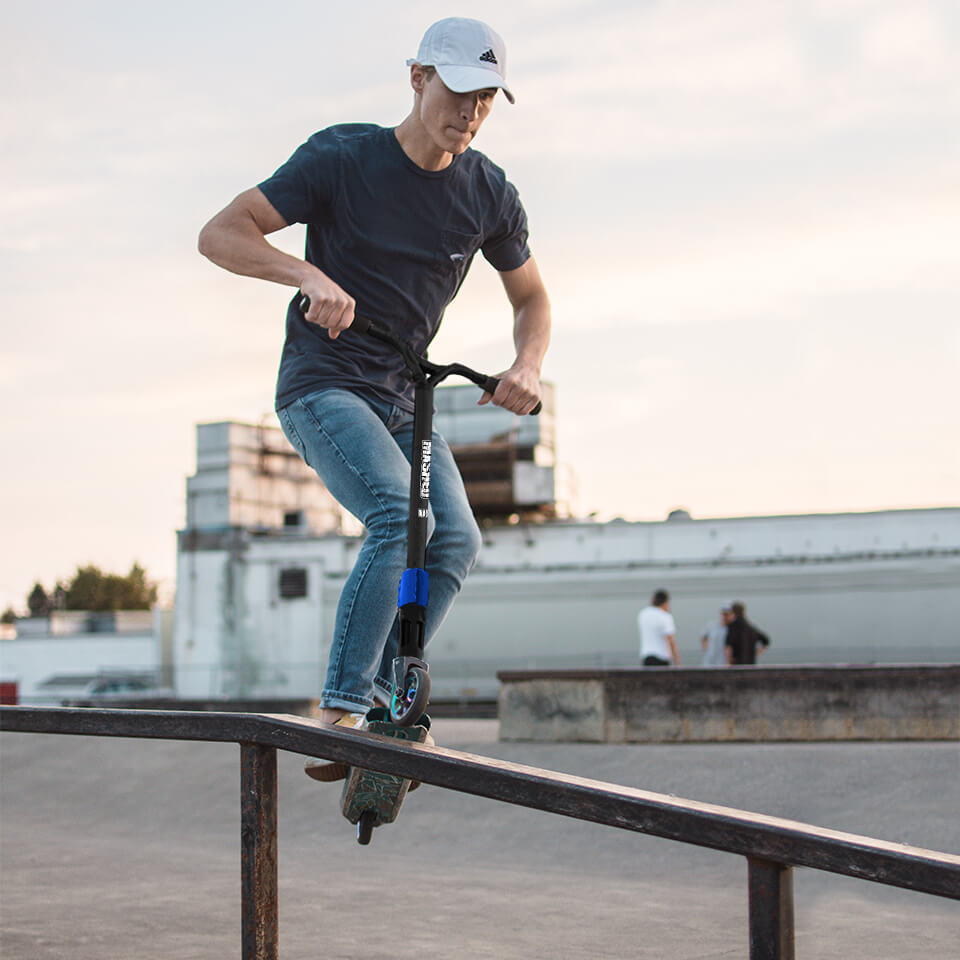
330,770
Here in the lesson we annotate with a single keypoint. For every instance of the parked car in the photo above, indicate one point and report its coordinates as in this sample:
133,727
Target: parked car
119,688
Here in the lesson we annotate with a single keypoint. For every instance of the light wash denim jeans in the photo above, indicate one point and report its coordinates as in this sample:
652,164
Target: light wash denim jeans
360,448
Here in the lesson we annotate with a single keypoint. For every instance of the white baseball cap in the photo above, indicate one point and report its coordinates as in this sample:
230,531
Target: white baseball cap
467,54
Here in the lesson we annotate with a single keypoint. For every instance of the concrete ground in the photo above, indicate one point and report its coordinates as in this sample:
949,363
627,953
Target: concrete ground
129,849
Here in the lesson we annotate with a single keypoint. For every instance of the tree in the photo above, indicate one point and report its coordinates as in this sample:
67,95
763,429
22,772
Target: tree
91,589
85,591
38,603
59,597
136,592
9,616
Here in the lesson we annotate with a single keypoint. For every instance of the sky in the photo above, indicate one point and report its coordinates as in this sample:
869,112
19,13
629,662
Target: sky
746,212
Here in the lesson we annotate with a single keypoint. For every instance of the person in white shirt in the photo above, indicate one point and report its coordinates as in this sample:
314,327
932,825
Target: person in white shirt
658,645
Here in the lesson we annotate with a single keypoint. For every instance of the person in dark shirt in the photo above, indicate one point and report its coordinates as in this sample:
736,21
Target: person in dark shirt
394,217
743,638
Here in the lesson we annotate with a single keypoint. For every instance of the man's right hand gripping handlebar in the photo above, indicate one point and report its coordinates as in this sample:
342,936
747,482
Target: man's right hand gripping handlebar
347,319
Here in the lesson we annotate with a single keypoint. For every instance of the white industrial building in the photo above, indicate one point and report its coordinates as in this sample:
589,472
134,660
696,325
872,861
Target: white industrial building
266,550
62,657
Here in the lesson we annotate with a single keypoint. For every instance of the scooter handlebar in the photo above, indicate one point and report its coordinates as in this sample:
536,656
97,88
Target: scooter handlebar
360,324
490,385
368,327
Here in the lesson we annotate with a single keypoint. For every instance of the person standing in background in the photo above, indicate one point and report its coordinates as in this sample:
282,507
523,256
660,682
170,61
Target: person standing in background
714,639
658,644
743,638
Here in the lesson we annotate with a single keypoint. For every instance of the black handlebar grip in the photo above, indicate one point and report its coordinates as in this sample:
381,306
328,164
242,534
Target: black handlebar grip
491,384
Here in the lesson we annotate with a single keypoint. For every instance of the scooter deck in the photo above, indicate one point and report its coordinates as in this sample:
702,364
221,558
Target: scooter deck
379,794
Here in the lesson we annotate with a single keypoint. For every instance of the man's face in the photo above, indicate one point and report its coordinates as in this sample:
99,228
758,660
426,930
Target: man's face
726,617
453,119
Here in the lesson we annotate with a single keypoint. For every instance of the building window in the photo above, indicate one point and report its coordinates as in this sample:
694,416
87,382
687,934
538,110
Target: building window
293,583
293,518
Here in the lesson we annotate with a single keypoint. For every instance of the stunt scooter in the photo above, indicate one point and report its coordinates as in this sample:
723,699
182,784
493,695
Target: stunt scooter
369,798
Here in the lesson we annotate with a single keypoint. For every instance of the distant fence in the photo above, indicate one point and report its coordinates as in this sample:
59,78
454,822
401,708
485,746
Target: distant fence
771,846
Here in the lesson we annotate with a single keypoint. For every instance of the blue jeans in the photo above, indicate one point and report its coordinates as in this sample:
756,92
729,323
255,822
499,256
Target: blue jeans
360,448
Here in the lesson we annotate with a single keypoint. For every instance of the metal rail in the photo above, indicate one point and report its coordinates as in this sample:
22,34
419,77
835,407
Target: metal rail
772,846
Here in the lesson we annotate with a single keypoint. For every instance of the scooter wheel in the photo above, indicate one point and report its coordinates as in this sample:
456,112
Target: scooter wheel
365,826
410,703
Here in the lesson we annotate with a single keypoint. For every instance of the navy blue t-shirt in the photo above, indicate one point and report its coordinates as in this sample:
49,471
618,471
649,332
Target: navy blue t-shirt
397,238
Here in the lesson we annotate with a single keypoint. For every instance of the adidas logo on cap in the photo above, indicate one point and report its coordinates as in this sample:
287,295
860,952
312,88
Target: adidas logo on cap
488,57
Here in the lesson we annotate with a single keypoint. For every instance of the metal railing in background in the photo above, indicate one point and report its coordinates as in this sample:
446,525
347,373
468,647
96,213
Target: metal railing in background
771,846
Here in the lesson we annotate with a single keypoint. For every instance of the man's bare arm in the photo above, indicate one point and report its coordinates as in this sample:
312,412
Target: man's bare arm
519,389
671,640
235,239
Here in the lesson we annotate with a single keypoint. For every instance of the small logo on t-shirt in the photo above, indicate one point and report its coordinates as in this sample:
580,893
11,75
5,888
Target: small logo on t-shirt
456,257
489,57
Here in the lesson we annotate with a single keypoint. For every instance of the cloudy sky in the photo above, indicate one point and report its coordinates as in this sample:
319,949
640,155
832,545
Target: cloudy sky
747,213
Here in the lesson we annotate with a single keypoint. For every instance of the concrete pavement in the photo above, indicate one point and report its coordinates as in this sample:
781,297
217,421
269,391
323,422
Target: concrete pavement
129,849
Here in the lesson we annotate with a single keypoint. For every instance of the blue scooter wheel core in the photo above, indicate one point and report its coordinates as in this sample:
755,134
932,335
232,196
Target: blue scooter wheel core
410,702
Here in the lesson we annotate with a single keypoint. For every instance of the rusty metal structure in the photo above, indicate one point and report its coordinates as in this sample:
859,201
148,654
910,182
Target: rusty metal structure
508,463
771,846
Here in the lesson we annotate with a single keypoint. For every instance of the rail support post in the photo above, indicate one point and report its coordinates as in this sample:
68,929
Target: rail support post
771,910
258,851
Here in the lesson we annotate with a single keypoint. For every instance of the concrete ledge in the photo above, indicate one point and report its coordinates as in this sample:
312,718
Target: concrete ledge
782,703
